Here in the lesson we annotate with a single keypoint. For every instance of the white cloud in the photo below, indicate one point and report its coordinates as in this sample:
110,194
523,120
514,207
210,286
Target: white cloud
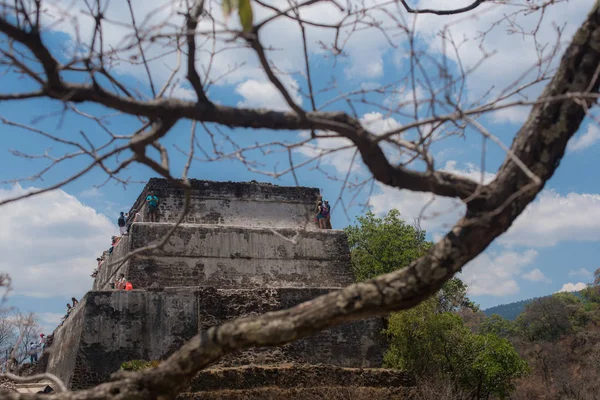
512,115
584,140
404,97
535,275
436,212
509,56
364,47
48,321
263,94
92,192
495,273
572,287
49,243
552,218
581,272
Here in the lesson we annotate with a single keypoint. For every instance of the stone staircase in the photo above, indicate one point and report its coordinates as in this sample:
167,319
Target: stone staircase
33,387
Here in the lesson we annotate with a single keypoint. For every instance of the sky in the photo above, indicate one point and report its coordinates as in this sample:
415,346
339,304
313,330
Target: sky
50,241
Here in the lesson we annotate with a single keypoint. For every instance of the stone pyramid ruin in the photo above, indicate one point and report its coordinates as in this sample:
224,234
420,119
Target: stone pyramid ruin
229,258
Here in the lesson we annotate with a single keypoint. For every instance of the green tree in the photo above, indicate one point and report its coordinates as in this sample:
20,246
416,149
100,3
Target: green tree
491,366
382,245
546,319
498,326
434,344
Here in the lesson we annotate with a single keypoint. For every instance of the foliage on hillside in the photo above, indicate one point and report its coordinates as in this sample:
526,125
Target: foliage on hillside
542,348
559,336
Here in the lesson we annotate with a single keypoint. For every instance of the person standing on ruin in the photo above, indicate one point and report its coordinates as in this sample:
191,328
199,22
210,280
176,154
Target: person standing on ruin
120,283
320,216
152,202
327,215
122,222
42,342
33,352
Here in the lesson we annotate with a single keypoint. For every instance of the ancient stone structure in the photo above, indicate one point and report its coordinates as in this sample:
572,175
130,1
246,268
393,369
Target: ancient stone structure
242,249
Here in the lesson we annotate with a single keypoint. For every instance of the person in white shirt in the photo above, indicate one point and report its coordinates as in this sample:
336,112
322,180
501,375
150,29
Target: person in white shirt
33,352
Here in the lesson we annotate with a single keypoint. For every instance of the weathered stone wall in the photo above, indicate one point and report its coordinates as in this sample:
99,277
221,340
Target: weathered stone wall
111,267
288,376
62,354
357,344
234,203
233,257
124,325
224,262
121,326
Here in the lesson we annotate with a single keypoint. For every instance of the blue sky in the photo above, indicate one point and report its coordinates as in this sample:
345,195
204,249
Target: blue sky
50,242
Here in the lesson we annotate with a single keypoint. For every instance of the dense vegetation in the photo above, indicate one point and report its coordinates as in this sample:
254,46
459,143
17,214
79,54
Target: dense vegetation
550,351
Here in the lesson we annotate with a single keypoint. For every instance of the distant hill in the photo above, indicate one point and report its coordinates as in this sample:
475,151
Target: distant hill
511,311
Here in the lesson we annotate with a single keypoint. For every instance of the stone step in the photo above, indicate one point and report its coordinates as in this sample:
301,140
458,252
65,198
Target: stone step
111,327
230,257
298,376
308,393
32,387
234,203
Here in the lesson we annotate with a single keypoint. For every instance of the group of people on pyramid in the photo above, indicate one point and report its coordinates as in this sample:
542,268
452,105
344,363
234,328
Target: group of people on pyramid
124,223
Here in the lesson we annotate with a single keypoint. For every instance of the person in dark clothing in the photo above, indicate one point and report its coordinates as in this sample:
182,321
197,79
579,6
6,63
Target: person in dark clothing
122,222
320,216
327,214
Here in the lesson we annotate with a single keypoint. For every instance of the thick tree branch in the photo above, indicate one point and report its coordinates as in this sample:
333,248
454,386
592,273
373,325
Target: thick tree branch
192,73
258,48
41,52
550,125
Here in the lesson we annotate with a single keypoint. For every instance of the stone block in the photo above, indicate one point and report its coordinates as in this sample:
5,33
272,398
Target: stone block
234,203
231,257
111,327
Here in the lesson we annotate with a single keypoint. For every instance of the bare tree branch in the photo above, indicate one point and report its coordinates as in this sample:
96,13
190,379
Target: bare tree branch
461,10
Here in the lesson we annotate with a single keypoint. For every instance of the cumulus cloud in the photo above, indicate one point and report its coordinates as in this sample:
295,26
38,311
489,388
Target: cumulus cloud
535,275
49,242
406,96
553,218
92,192
498,48
584,140
495,274
437,213
48,321
582,273
572,287
263,94
512,115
